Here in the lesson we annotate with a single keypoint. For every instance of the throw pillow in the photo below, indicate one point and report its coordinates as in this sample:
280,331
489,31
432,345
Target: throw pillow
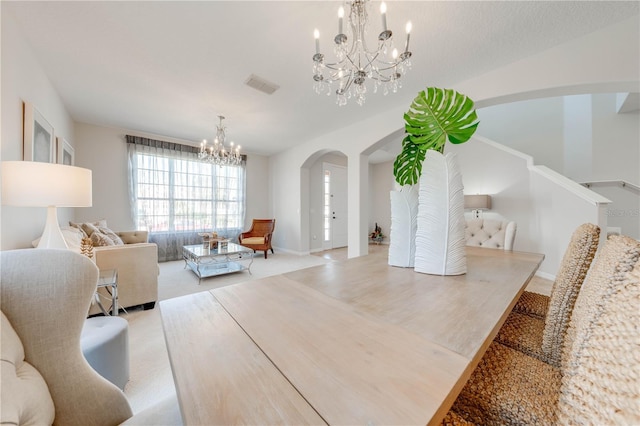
98,239
89,229
101,222
117,241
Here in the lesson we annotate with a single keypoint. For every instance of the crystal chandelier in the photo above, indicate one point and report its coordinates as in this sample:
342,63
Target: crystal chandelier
218,153
355,62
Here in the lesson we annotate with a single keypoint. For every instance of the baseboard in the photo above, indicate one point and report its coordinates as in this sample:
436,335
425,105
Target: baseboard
545,275
297,253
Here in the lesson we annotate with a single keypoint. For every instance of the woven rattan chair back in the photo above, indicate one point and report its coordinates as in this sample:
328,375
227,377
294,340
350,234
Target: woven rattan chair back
602,348
573,270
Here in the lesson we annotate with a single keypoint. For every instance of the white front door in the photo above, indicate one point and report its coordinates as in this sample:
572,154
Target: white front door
335,202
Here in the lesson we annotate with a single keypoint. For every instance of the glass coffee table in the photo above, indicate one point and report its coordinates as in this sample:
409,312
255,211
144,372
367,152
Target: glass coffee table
224,259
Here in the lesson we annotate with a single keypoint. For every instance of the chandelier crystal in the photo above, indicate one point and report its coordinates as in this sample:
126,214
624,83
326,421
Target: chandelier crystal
218,153
355,62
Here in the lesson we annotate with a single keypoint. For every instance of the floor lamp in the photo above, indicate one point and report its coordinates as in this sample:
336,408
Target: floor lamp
34,184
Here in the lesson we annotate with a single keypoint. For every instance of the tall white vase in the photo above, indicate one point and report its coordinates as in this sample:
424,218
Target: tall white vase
402,235
440,241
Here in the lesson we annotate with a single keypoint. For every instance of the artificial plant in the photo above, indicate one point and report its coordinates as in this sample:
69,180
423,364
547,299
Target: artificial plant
434,115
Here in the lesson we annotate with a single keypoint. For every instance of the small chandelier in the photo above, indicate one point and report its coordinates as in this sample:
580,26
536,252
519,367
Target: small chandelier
218,153
355,62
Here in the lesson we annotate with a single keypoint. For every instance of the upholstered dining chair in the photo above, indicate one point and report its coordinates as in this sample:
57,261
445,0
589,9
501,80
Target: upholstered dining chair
258,237
499,234
45,296
596,382
543,337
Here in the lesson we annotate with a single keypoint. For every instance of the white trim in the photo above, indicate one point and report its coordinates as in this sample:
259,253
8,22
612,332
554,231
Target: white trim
527,158
570,185
545,275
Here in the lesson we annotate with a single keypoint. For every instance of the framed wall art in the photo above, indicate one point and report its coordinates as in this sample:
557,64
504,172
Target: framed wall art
66,153
39,143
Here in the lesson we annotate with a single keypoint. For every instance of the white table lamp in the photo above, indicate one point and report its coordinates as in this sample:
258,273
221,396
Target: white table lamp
34,184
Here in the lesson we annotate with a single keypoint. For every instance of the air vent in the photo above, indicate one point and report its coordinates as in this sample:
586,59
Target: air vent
261,84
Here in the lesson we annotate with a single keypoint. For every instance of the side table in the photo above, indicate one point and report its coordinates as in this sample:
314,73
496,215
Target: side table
109,278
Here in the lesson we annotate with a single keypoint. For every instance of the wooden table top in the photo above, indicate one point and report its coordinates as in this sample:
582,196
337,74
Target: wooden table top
353,342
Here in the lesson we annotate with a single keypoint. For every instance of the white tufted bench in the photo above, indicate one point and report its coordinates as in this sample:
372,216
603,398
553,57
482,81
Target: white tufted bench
498,234
105,346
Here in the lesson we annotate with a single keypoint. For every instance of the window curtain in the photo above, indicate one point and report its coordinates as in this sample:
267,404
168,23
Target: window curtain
175,196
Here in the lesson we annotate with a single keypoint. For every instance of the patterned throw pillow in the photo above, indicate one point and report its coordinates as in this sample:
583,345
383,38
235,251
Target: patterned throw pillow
117,241
89,229
101,222
98,239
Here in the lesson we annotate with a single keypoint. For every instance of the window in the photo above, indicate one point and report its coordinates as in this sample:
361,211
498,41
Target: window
173,191
327,205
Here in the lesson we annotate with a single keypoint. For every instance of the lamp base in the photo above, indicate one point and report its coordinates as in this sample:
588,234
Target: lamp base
52,235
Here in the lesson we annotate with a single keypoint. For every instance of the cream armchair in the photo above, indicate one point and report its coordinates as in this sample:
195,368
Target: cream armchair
498,234
137,265
45,295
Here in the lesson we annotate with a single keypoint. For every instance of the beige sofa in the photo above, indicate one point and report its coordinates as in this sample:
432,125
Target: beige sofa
137,266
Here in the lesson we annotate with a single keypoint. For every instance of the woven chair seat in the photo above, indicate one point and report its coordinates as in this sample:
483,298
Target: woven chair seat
511,388
533,304
454,419
525,334
597,382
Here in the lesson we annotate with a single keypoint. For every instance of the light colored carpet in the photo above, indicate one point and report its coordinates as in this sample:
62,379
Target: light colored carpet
150,387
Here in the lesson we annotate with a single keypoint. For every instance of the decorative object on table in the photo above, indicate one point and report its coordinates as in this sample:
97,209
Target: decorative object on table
218,153
39,143
434,116
355,62
86,247
376,236
66,153
402,234
440,237
35,184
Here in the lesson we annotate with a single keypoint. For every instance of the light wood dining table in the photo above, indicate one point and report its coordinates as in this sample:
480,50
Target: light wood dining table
349,342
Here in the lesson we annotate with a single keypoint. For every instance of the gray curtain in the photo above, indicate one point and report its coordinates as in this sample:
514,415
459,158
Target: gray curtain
219,190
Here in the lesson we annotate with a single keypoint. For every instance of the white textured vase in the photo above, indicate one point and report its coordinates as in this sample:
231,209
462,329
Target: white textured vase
440,241
402,234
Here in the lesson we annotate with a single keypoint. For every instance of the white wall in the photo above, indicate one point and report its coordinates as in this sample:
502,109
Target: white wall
104,151
533,127
381,182
546,206
584,138
23,80
580,136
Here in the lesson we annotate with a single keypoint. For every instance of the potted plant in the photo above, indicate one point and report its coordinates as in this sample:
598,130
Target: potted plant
428,221
434,115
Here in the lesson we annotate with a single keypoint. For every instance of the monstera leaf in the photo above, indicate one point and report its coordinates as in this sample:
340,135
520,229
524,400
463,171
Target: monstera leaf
434,116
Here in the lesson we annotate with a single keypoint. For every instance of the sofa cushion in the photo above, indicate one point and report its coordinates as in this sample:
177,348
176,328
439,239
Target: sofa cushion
25,396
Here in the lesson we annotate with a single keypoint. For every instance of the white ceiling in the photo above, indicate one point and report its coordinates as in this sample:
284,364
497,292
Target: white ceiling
170,67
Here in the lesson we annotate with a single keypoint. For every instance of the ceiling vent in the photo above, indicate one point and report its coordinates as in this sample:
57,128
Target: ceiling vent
261,84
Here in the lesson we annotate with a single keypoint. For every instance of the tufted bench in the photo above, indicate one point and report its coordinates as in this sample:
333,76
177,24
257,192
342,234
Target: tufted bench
498,234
